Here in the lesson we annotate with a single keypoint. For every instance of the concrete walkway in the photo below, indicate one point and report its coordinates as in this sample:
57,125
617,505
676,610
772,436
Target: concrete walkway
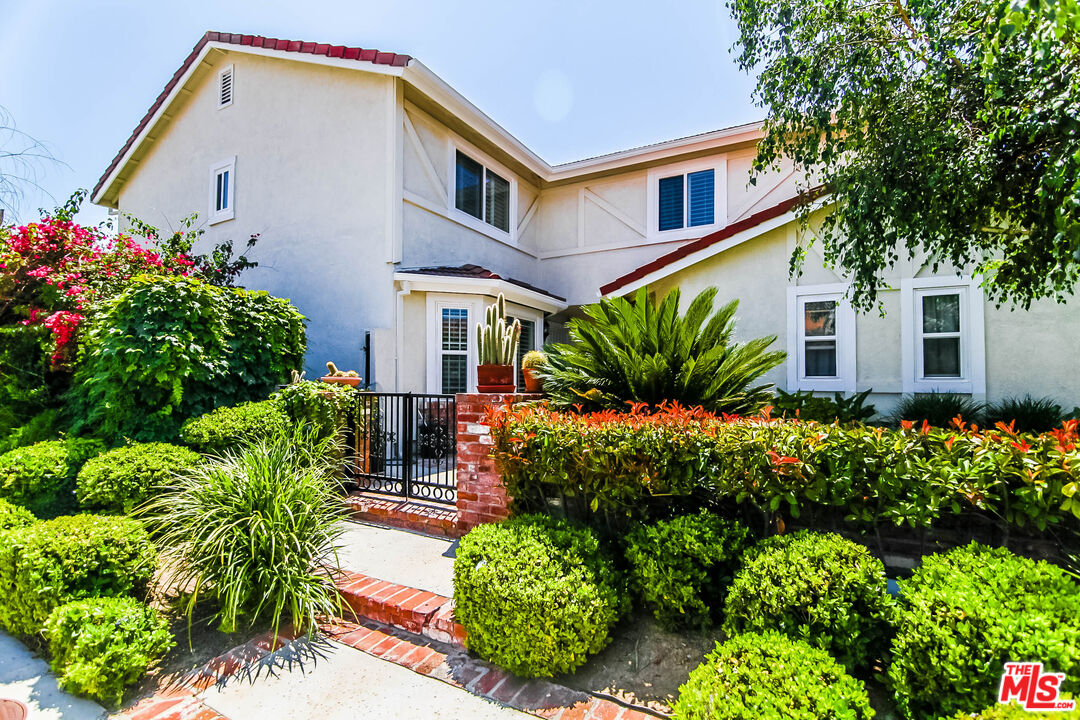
399,556
335,682
26,677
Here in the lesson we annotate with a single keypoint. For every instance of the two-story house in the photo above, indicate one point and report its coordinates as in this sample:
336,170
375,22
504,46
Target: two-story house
391,210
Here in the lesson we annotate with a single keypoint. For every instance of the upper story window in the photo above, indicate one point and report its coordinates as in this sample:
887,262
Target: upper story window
687,200
481,193
943,342
225,87
821,339
222,191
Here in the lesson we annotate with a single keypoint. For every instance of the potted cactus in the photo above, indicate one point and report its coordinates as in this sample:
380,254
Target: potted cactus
340,377
533,360
496,343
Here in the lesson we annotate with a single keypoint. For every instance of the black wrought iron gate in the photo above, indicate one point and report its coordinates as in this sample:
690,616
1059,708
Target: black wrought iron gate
405,444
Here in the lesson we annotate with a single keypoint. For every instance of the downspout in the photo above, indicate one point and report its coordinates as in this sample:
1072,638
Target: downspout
399,332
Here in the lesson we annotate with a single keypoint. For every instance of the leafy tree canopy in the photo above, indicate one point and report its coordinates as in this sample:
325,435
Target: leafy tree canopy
944,127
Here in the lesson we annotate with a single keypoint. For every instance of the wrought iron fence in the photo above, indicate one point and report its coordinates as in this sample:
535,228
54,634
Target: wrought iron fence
405,444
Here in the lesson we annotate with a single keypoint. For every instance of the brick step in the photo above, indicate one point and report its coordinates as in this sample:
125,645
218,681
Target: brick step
416,611
406,514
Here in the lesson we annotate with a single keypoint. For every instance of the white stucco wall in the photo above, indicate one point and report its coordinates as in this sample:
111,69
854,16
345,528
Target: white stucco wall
1026,352
311,178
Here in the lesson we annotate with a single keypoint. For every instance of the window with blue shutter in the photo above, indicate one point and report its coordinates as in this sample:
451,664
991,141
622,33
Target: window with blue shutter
671,202
700,198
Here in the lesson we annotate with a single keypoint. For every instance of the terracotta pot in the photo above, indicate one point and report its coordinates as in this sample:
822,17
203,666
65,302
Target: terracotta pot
353,381
533,382
495,379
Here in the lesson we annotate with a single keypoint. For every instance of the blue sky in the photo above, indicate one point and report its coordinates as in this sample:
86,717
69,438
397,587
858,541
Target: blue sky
570,79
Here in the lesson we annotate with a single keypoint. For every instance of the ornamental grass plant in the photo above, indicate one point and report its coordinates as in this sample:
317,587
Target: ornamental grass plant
256,529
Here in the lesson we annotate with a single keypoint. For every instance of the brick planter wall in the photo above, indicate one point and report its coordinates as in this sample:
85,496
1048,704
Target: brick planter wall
481,496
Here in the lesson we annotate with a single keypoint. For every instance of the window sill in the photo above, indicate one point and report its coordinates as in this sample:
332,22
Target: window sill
216,219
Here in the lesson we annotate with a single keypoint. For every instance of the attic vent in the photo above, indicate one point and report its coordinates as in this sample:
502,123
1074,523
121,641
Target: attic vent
225,87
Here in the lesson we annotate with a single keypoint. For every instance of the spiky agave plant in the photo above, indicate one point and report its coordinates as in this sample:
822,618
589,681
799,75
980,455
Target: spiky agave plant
641,351
256,529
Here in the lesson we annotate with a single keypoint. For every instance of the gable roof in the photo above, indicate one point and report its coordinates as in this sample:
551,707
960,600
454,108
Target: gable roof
358,54
705,246
428,84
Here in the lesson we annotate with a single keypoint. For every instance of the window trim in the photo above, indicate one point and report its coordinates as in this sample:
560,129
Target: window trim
972,378
215,216
536,317
846,368
487,162
719,167
436,302
232,87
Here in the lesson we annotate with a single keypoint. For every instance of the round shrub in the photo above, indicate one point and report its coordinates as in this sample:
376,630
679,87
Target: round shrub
535,595
770,677
102,645
74,557
816,587
325,407
122,478
41,477
965,613
12,516
682,567
231,426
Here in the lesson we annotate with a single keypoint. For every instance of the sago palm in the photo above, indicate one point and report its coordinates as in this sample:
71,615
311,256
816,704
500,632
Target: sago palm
641,351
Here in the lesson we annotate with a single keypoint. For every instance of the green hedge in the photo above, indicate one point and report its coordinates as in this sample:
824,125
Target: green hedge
535,595
12,516
41,477
325,407
101,646
681,568
171,348
229,427
615,463
964,613
121,479
770,677
50,563
816,587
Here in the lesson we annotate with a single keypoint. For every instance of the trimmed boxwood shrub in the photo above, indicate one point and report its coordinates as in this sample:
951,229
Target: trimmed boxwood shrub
227,427
816,587
965,613
102,645
122,478
535,595
41,477
770,677
53,562
12,516
681,568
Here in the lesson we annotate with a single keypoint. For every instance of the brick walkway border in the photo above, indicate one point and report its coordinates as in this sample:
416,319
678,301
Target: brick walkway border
406,626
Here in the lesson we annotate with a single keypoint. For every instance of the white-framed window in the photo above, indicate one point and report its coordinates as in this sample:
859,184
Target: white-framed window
943,339
687,199
821,339
222,191
532,331
483,193
453,349
225,87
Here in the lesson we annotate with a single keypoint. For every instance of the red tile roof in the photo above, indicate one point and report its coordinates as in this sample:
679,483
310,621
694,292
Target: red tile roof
297,46
711,239
477,272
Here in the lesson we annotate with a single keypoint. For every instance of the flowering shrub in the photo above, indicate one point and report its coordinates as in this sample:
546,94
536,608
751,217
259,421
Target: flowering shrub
53,270
612,462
